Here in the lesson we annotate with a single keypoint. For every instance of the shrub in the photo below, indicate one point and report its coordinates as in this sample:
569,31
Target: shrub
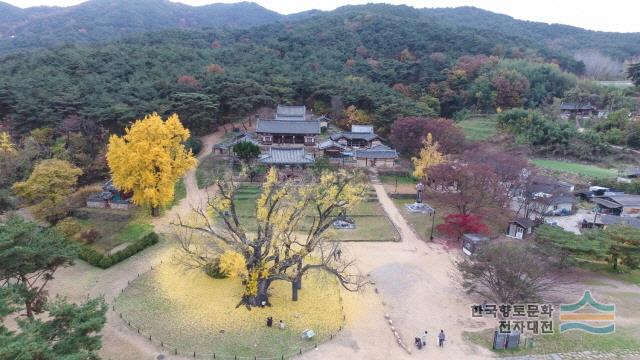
104,261
68,227
213,269
89,236
7,202
193,144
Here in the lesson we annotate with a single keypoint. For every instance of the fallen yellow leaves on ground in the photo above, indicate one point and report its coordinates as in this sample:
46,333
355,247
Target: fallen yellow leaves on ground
193,312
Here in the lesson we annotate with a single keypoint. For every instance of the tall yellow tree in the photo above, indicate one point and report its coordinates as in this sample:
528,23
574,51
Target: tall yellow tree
49,187
292,237
149,159
354,116
430,155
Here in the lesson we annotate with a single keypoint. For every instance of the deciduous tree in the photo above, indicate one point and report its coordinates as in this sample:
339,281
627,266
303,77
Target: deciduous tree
408,133
507,273
281,248
49,187
149,159
430,155
468,187
456,225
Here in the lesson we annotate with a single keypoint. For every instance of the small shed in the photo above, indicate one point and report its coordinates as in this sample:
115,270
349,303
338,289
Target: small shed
471,243
520,228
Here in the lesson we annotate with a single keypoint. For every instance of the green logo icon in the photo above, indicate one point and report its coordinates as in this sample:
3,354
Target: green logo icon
600,321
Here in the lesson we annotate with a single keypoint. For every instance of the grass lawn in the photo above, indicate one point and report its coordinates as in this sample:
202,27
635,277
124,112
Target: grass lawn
573,341
604,268
478,129
114,233
179,193
210,168
190,311
575,168
402,180
113,227
372,223
421,223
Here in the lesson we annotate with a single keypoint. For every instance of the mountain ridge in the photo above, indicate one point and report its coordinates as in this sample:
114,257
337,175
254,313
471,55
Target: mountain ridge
103,20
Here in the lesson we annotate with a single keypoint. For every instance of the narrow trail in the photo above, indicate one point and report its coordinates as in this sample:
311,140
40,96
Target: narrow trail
82,280
411,283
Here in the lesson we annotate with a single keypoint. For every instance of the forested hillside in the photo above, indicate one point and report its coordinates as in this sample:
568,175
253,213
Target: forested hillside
99,20
387,61
560,37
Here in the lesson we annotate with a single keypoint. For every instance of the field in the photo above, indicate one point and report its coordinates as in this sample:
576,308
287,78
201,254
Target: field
372,224
210,168
110,229
478,128
575,168
191,312
623,339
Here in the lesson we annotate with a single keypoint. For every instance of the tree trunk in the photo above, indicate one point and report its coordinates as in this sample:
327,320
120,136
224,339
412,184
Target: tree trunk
260,296
294,290
29,309
614,260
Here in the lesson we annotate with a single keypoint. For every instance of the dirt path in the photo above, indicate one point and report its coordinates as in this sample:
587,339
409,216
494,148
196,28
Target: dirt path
82,280
411,284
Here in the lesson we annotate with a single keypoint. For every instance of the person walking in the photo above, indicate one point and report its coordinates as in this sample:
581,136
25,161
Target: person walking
424,338
281,325
441,338
269,321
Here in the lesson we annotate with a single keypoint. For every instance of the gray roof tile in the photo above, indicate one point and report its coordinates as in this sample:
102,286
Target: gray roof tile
286,156
288,127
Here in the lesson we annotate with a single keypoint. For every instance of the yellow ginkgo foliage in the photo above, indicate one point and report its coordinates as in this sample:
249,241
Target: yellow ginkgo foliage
149,159
6,146
430,155
233,264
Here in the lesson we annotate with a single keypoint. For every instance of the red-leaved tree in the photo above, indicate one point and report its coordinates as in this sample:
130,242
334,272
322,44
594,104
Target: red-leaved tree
456,225
470,188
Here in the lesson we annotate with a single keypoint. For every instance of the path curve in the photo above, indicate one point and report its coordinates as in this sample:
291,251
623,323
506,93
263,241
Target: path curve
411,284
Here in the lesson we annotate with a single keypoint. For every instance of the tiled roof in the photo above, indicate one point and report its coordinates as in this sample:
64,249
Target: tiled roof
377,152
352,136
330,143
291,110
626,200
288,127
362,129
574,106
617,220
286,156
524,222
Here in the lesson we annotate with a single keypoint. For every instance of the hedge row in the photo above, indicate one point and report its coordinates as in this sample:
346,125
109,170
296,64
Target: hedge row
104,261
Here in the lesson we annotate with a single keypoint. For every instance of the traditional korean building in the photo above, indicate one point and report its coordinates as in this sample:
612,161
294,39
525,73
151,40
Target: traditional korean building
110,198
291,125
359,136
286,157
377,156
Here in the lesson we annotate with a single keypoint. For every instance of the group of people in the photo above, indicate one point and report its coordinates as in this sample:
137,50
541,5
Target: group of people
281,324
421,341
